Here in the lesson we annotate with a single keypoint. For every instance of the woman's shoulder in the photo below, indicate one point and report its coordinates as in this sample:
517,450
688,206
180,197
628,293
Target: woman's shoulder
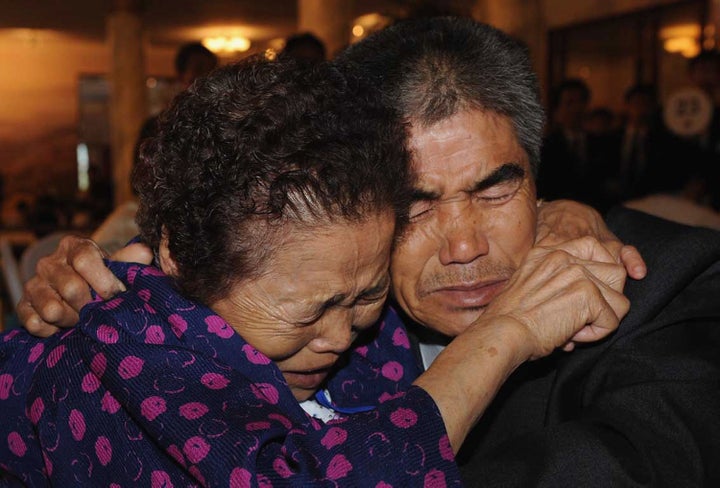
383,355
150,311
154,325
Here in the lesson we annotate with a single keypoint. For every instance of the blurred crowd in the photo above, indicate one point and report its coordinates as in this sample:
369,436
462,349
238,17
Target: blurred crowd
591,153
605,158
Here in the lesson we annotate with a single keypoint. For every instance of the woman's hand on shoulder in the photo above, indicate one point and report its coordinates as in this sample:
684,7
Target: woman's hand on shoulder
562,220
560,296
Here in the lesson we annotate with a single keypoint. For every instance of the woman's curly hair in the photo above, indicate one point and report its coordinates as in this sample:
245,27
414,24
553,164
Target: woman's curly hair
257,145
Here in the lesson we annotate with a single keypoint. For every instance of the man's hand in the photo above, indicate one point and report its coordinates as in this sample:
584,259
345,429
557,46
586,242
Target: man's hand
563,220
571,292
61,286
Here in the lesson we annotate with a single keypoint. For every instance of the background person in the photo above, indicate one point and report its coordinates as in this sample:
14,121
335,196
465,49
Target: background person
192,60
304,47
643,157
566,150
704,72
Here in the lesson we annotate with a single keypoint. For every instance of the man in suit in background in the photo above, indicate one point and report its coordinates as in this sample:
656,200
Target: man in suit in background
573,159
704,72
304,47
643,157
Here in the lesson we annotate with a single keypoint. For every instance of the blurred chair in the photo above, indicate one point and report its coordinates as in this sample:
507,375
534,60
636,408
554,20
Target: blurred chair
11,274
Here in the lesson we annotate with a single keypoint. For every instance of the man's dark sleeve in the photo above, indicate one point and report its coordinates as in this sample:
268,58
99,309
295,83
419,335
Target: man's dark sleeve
641,409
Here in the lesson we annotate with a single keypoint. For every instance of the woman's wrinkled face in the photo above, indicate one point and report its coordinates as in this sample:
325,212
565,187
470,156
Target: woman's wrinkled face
321,287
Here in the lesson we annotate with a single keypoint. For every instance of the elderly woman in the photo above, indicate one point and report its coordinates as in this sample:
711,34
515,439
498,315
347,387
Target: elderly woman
270,196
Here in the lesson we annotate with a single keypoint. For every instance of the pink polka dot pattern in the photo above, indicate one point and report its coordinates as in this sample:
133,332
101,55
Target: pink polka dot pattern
77,424
16,444
193,410
55,356
103,450
6,381
404,418
150,389
90,383
334,437
177,324
152,407
214,381
107,334
35,352
154,335
109,403
130,367
195,449
392,370
339,467
36,410
217,326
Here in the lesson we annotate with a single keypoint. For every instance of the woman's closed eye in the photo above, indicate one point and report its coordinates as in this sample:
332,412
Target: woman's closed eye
421,208
373,296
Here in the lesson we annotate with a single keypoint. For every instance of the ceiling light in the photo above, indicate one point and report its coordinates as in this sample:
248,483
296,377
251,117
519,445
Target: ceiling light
227,44
682,39
367,24
686,46
271,54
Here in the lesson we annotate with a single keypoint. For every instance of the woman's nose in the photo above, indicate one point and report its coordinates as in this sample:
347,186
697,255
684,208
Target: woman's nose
335,332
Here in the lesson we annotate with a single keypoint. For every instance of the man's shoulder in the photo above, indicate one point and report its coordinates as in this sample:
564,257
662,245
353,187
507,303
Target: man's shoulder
683,267
662,242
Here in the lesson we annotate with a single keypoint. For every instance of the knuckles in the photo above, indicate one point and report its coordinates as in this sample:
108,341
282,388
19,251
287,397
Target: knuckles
622,307
46,264
73,290
85,256
51,311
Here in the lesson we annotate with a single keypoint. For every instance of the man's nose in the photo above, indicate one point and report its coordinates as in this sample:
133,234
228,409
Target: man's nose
462,237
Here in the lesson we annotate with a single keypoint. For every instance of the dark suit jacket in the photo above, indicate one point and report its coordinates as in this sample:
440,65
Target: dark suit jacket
639,409
563,173
669,163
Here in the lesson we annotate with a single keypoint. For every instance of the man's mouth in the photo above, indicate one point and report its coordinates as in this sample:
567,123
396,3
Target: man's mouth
471,295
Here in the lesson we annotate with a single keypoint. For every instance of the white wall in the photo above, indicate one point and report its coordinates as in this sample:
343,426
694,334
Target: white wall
39,104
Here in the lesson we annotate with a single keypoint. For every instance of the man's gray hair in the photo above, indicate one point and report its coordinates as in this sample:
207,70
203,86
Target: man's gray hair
430,69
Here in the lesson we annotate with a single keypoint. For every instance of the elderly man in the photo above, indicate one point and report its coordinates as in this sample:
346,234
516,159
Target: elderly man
640,409
637,409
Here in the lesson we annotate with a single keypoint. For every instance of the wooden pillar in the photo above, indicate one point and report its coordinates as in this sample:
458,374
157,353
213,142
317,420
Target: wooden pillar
330,20
524,20
128,107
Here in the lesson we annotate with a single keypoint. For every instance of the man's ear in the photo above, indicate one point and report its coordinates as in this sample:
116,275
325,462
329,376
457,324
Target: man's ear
167,263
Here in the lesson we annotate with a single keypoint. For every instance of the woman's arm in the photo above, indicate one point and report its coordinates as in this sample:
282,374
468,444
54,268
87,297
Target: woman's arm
60,288
561,220
553,300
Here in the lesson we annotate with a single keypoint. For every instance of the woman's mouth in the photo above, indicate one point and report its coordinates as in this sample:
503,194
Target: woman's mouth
307,380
